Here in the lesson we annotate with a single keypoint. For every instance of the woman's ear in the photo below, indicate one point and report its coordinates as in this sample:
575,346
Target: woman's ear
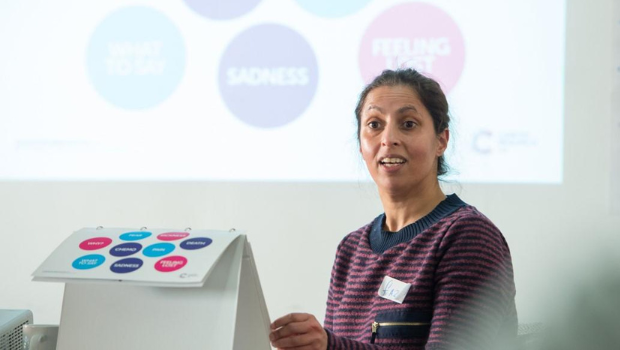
443,138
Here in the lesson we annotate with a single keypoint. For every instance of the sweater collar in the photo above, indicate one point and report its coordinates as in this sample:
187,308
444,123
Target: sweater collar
381,240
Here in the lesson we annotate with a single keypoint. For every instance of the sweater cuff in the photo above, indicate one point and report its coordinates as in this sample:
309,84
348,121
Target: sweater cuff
333,342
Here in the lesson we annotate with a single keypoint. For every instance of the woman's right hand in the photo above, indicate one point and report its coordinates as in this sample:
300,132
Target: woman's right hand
298,331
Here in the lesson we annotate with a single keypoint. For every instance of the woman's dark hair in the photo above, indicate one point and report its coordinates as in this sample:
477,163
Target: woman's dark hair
428,91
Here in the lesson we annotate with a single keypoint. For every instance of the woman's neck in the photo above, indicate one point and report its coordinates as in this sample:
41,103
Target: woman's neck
402,210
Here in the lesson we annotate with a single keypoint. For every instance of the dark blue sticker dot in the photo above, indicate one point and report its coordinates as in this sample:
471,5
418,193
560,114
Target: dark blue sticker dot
196,243
126,265
88,262
135,236
158,249
126,249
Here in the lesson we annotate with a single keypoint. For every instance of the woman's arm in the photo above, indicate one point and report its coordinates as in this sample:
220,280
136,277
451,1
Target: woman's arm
474,288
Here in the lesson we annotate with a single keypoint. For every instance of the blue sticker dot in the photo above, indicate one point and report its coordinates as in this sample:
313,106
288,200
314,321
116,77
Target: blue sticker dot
135,236
158,249
125,249
136,58
87,262
196,243
126,265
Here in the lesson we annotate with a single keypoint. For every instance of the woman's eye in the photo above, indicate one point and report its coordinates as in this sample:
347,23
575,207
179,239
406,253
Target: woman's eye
373,125
409,124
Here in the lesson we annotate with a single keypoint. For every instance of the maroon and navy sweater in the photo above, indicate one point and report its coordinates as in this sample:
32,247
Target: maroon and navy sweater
462,286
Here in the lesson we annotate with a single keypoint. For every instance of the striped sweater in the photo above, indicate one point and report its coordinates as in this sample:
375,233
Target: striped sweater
462,286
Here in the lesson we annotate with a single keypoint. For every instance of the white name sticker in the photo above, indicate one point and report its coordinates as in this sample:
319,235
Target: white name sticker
393,289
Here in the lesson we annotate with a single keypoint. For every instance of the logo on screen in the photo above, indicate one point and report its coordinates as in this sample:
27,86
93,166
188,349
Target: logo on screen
268,75
136,58
416,35
218,9
331,8
485,142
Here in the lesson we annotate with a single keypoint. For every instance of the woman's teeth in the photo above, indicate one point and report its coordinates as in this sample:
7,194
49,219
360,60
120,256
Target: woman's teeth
390,162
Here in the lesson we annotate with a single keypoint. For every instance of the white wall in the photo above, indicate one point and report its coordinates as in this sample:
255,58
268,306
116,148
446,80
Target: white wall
294,228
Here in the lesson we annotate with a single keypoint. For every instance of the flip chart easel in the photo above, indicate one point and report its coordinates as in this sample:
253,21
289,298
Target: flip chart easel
212,302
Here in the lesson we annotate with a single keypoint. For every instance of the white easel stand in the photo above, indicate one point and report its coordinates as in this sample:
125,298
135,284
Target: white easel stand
228,312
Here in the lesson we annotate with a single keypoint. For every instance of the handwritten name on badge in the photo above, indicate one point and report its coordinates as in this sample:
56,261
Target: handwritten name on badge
393,289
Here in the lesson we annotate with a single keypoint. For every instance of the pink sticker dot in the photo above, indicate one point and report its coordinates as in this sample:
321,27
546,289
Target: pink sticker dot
416,35
171,263
172,236
95,243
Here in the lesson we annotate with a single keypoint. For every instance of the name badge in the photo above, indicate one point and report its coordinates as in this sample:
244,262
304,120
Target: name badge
393,289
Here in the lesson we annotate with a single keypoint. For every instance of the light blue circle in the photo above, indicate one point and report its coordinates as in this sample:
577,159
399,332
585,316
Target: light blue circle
136,58
88,262
158,249
135,235
331,8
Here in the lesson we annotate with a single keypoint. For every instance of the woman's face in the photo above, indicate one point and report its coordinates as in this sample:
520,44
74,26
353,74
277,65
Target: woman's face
398,140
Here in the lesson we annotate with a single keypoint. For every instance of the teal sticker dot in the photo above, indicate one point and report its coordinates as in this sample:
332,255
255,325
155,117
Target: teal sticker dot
135,235
87,262
158,249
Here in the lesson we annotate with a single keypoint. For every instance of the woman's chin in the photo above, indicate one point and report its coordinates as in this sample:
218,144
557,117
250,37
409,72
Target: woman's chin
394,186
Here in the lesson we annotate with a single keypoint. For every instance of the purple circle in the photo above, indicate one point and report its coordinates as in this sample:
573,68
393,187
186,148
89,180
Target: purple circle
126,265
268,75
218,9
125,249
196,243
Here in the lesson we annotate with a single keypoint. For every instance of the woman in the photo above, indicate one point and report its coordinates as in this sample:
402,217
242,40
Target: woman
431,272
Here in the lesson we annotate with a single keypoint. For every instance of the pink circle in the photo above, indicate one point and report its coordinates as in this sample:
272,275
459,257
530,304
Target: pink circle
416,35
172,236
95,243
171,263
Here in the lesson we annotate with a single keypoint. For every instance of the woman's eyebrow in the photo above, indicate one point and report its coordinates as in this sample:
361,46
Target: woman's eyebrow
374,107
407,108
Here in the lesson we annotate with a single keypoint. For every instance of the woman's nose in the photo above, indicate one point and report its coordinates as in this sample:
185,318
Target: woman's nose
390,137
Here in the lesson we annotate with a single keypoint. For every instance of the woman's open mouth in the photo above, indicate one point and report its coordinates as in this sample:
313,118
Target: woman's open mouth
390,162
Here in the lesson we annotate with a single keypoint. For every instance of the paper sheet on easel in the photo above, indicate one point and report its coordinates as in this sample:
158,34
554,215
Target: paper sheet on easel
227,312
161,257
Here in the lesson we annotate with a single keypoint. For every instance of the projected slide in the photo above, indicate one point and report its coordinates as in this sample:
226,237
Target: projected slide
264,90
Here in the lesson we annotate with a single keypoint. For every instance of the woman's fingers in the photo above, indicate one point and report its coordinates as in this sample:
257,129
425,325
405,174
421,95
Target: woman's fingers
284,320
290,329
295,341
298,330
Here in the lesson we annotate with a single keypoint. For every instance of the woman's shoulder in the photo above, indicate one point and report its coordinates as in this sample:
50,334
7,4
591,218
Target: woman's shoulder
469,212
469,222
359,235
